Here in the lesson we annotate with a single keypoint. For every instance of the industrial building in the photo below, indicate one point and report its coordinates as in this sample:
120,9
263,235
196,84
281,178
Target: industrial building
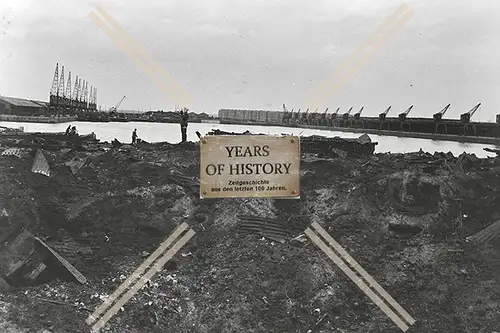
22,107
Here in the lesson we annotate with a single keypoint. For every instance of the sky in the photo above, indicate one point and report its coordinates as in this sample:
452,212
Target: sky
260,54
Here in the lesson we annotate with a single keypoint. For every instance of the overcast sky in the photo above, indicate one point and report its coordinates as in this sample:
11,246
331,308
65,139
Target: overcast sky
259,54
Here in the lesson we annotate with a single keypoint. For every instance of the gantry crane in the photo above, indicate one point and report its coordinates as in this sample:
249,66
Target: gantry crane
383,115
438,116
115,108
402,116
466,117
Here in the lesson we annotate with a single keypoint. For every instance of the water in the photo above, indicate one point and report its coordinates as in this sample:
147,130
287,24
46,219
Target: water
156,132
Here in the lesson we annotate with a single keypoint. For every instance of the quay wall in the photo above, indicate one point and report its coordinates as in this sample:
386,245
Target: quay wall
33,119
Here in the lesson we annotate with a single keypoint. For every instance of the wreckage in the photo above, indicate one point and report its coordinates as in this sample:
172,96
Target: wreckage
45,140
325,146
84,219
342,147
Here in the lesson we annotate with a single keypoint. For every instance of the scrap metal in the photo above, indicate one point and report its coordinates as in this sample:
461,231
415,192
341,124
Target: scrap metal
265,227
40,164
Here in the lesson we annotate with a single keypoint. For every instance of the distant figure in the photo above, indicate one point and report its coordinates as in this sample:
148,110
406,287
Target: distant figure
184,124
134,136
68,130
73,131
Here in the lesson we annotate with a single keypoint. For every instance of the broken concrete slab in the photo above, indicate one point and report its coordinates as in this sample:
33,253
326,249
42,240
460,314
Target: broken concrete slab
23,259
76,164
20,260
340,152
364,139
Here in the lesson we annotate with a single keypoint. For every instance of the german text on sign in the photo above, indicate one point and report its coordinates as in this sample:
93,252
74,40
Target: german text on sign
249,166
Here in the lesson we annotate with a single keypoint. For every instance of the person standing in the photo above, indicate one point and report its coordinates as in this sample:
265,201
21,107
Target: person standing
184,124
134,136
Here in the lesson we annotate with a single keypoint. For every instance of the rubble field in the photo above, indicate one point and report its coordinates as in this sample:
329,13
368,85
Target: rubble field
405,218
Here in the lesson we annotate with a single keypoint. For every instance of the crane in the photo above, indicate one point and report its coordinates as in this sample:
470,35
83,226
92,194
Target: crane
326,111
465,117
304,115
438,116
357,115
115,108
383,115
346,115
334,115
402,116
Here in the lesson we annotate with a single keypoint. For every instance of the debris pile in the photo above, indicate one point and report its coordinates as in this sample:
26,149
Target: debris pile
337,146
324,146
77,222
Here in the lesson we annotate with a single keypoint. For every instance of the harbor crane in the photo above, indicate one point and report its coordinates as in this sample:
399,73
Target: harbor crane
284,108
304,115
402,116
466,117
438,116
346,115
326,111
357,115
383,115
334,115
115,108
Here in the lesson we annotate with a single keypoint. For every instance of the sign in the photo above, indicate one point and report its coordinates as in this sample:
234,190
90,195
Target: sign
249,166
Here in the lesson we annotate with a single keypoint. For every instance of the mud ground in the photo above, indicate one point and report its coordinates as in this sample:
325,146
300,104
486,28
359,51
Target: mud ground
403,217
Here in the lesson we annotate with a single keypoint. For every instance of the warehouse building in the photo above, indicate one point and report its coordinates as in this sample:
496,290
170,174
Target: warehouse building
251,116
22,107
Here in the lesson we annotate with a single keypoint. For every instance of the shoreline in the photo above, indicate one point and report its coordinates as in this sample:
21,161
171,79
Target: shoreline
34,119
414,135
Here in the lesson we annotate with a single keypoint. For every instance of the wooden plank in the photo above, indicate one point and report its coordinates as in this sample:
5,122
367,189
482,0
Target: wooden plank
77,275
